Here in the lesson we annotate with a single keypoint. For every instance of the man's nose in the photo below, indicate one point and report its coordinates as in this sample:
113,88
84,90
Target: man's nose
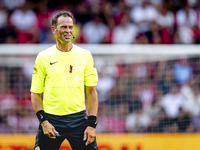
67,30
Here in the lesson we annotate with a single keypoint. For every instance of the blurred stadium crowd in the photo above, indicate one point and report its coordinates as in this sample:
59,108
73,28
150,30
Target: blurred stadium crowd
103,21
160,96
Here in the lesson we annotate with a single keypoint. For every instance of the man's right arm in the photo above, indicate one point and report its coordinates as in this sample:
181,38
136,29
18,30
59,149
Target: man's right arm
48,129
36,101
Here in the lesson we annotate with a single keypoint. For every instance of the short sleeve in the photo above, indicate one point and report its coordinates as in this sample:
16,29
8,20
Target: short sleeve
38,77
90,73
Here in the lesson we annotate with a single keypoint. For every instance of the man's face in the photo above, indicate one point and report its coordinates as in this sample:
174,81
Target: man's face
64,29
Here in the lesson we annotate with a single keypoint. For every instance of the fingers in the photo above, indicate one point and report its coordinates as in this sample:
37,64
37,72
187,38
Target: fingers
89,135
54,130
51,134
85,136
49,130
90,139
54,134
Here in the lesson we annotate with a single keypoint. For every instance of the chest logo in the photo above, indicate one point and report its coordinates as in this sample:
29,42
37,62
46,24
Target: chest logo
51,63
76,78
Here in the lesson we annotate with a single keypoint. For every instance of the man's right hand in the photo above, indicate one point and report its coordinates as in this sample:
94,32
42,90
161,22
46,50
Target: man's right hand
48,129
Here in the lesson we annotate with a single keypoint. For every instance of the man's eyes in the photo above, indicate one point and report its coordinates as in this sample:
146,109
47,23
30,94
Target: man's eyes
64,27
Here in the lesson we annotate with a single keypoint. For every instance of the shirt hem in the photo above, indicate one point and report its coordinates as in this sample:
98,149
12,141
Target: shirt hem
64,114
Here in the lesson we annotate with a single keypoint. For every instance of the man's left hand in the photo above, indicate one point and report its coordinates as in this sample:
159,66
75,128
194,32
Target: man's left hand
89,134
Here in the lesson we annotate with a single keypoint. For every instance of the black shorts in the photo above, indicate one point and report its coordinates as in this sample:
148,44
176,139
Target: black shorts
70,127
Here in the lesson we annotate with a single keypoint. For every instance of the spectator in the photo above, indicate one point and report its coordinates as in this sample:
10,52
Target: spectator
7,98
81,13
153,127
119,8
183,121
27,28
105,84
165,80
95,31
140,70
186,20
146,93
103,117
162,123
196,123
154,108
191,92
3,22
132,3
161,69
7,32
186,35
125,33
4,126
166,21
156,3
154,34
116,122
27,121
142,39
192,3
43,21
3,16
118,109
137,121
182,70
13,4
125,81
134,101
106,15
172,101
142,15
95,10
12,121
186,17
176,38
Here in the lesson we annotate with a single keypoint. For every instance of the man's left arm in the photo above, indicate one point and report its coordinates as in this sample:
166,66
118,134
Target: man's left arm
92,97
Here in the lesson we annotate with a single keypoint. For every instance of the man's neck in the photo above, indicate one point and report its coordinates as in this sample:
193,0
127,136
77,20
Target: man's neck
64,47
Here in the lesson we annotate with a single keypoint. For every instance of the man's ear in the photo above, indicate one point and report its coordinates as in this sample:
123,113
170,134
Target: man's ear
53,29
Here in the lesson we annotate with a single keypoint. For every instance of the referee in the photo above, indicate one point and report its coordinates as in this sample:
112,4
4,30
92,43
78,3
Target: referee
60,73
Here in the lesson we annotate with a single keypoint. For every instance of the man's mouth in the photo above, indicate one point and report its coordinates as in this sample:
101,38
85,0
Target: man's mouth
67,36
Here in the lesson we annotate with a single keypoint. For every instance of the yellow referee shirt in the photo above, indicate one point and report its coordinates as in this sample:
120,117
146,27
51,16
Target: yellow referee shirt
61,77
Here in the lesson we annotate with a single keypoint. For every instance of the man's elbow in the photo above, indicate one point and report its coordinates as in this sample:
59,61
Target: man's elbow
33,95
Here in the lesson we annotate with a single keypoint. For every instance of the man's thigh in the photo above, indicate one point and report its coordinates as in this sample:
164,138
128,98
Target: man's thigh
43,142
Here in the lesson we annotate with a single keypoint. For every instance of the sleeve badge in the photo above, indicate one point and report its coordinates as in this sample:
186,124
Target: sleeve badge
35,69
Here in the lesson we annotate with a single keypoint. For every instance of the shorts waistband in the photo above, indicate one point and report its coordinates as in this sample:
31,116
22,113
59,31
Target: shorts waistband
70,121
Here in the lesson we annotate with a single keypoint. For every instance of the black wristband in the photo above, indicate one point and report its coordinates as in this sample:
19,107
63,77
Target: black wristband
41,116
92,121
